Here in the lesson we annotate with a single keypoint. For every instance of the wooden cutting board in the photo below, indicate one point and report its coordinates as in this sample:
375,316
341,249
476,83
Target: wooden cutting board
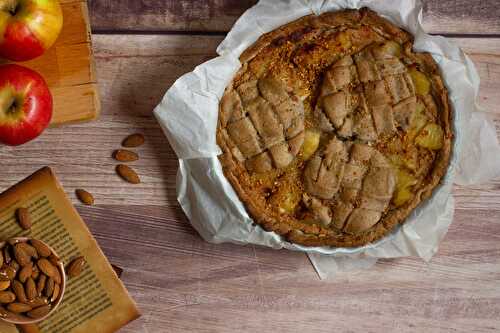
68,67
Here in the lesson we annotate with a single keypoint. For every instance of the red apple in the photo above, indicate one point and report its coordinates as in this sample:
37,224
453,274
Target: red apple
25,104
28,27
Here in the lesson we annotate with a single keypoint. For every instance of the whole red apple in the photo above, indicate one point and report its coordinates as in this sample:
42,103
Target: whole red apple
28,27
25,104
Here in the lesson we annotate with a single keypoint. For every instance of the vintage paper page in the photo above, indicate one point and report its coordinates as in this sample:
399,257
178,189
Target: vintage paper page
96,300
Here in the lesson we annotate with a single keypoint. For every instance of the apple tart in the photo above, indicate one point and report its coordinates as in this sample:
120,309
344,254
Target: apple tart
333,131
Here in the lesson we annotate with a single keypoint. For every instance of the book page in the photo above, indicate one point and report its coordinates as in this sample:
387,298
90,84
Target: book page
96,300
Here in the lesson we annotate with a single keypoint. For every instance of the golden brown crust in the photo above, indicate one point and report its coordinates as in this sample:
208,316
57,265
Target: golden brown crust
370,27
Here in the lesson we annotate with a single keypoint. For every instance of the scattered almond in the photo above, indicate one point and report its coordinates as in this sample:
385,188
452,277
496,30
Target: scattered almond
133,140
23,218
84,196
128,174
75,267
124,155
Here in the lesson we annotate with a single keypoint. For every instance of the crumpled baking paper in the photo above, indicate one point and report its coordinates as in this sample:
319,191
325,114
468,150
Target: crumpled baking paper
188,116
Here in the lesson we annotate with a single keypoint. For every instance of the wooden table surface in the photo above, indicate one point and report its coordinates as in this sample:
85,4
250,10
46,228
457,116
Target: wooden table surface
183,284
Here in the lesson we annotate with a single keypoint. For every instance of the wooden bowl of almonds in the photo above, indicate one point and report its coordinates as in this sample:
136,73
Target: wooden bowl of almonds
32,280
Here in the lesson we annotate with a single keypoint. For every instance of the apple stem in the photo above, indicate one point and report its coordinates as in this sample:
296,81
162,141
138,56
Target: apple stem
12,106
13,10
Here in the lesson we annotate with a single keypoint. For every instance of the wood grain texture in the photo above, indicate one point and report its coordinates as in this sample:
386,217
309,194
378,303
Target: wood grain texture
68,68
441,17
188,285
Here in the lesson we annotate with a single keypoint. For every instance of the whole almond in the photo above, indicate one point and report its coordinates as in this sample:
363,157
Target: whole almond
133,140
128,174
25,272
42,249
46,267
7,297
21,256
75,267
40,284
38,301
18,289
4,284
30,288
55,293
18,307
1,258
23,218
30,250
49,287
39,311
57,277
124,155
84,196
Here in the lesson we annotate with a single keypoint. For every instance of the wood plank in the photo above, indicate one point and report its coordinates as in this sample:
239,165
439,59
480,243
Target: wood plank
187,285
77,104
134,73
441,17
76,23
462,17
68,68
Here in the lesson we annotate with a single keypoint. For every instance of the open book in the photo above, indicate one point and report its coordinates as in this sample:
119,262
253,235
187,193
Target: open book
96,301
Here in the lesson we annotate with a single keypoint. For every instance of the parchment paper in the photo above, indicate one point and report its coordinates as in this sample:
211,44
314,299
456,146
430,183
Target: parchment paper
188,115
